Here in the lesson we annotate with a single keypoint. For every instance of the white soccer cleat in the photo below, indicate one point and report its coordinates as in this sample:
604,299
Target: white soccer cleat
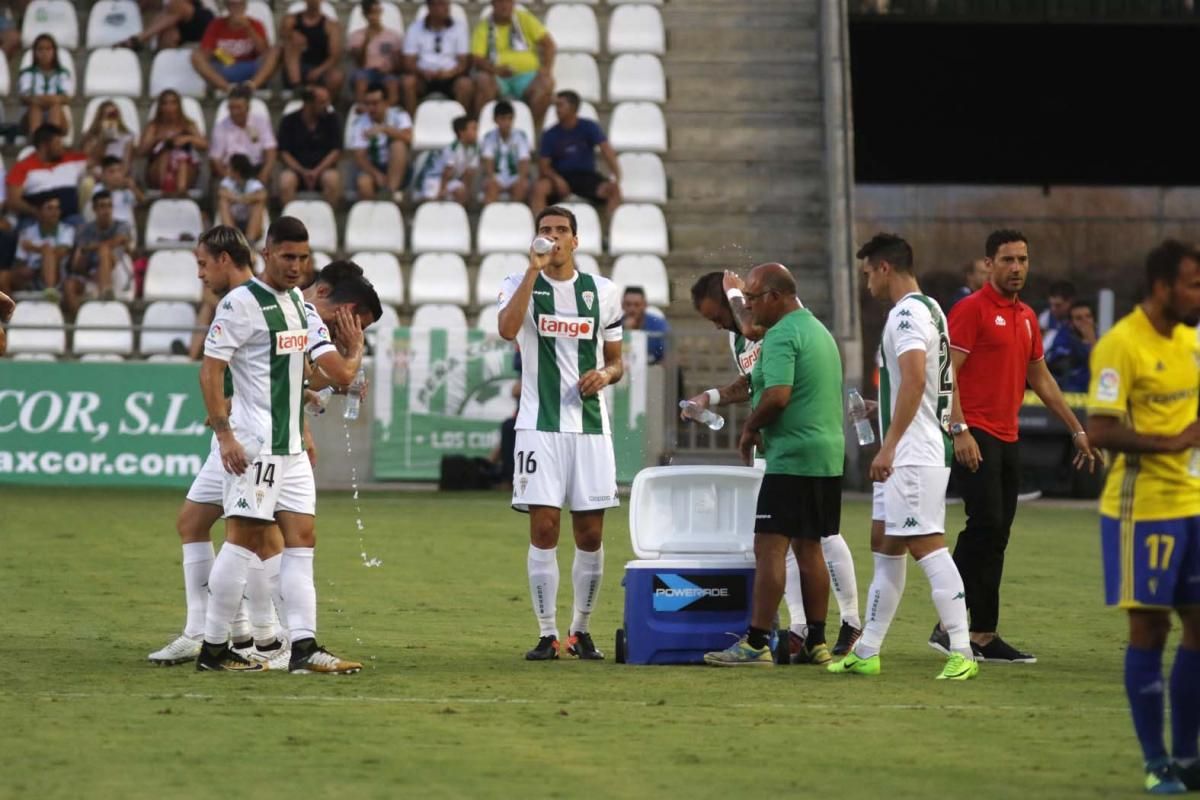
179,651
276,660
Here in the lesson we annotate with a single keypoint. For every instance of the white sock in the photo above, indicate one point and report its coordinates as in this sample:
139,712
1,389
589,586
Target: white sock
840,562
542,566
949,598
198,560
226,583
586,574
239,628
883,598
798,622
271,571
259,605
299,592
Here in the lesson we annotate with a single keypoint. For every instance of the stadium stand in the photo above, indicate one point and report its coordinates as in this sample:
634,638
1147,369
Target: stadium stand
439,278
574,29
372,225
103,327
504,228
383,270
441,227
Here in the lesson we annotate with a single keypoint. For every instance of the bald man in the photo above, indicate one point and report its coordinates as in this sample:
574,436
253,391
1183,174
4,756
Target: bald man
796,394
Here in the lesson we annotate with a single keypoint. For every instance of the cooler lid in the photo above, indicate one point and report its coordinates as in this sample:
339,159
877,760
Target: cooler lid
695,511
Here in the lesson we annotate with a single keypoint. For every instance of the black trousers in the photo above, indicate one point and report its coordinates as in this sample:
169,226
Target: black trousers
990,497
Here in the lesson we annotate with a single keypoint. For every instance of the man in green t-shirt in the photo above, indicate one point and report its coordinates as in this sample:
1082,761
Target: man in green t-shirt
796,389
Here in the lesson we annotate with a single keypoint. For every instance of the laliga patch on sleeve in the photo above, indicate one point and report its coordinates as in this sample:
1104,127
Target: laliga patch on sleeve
214,333
1108,385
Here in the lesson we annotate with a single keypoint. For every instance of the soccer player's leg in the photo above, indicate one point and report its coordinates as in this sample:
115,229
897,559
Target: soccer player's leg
819,504
793,597
271,646
840,562
1185,674
538,489
591,488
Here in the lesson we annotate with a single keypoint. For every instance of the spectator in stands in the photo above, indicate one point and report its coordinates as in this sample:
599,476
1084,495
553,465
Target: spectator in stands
45,86
1058,311
7,307
1069,353
44,245
177,23
245,133
568,160
514,59
377,54
639,317
10,31
436,58
234,50
505,153
122,189
171,142
452,176
102,250
975,275
380,140
310,143
242,198
49,169
8,237
107,136
312,49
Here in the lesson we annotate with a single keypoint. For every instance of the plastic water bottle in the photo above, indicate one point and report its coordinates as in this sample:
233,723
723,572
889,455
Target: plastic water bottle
352,394
700,414
317,407
542,245
858,412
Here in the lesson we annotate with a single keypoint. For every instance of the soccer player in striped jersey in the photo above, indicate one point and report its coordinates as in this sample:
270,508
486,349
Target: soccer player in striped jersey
717,296
912,468
567,324
1142,407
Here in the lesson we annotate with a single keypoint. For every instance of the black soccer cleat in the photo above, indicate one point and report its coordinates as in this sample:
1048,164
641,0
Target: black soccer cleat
847,636
546,650
581,646
940,640
1190,776
220,658
998,651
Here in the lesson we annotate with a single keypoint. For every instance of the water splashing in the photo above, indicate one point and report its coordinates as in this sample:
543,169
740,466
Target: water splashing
368,561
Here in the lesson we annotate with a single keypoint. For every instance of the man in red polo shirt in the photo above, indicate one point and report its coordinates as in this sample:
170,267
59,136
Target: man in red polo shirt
996,348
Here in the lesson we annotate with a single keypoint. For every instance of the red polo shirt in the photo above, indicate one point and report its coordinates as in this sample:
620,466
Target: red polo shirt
1001,338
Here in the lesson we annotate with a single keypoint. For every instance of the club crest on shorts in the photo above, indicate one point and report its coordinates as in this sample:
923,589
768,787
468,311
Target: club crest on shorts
521,484
259,494
588,297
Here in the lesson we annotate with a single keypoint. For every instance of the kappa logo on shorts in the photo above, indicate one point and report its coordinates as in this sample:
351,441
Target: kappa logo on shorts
565,327
241,503
911,522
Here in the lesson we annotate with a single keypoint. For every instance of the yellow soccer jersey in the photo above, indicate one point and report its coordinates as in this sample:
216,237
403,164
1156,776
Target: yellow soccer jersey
1153,383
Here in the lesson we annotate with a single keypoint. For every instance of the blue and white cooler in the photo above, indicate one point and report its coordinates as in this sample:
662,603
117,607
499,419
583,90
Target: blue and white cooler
693,534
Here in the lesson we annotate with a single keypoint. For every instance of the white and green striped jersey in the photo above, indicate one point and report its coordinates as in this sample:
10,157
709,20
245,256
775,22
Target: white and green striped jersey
506,153
745,352
263,335
561,338
917,323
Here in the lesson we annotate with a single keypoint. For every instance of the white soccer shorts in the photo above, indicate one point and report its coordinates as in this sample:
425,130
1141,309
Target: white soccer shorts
914,501
271,484
557,469
209,486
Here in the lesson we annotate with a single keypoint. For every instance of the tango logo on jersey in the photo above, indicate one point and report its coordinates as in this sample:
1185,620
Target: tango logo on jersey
565,327
747,358
290,341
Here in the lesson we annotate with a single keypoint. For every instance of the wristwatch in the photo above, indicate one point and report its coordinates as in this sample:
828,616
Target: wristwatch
958,427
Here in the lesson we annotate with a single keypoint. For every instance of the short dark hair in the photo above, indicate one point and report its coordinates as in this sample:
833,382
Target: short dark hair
239,164
997,239
503,108
100,194
40,199
890,248
227,239
287,229
367,5
571,97
460,123
635,290
557,211
1064,289
359,291
46,133
243,91
375,87
1162,263
335,272
710,285
1083,304
109,161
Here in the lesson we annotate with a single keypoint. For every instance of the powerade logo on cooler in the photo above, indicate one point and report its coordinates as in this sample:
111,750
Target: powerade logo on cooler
565,327
291,341
673,592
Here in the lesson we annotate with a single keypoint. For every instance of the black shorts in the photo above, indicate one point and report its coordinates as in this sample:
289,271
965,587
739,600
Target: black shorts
799,506
441,86
192,30
584,184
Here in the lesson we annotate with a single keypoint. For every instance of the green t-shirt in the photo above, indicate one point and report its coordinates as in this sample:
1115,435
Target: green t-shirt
806,438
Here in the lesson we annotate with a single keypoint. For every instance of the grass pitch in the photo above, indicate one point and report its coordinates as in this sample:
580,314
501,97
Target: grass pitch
90,583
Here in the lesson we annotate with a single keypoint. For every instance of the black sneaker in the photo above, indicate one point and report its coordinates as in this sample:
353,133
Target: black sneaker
847,636
581,646
940,640
1190,776
220,658
1001,652
546,650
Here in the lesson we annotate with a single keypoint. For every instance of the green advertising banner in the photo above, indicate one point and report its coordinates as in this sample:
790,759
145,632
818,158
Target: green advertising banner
101,424
445,392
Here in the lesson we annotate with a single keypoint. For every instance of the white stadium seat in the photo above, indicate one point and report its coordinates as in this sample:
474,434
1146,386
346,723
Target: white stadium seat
258,108
125,105
637,76
643,178
439,315
261,11
173,224
522,121
64,58
587,263
439,278
59,18
492,272
5,78
113,71
582,2
392,18
107,315
574,28
586,111
384,273
111,22
320,260
587,225
171,275
441,228
373,225
579,73
505,228
101,357
638,126
48,338
457,12
488,320
635,2
172,69
648,272
317,216
636,29
433,128
327,8
638,228
166,322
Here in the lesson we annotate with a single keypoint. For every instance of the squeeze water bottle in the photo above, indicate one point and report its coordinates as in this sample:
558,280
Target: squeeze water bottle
703,415
317,407
352,394
857,411
542,245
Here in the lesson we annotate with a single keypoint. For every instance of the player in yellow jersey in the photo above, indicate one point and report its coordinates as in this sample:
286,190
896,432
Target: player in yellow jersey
1142,406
